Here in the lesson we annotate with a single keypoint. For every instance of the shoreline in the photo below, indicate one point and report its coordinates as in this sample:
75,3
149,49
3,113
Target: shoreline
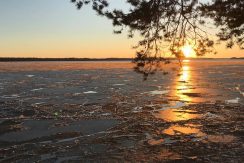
23,59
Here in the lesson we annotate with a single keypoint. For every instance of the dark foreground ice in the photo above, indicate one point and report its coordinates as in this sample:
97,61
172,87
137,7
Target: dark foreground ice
103,111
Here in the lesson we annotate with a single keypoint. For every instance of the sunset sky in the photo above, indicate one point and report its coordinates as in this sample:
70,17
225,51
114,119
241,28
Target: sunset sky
55,28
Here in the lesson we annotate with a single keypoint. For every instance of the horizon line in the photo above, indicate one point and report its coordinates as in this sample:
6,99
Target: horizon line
9,59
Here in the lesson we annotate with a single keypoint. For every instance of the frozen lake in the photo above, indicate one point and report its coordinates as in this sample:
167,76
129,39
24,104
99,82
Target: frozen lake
104,111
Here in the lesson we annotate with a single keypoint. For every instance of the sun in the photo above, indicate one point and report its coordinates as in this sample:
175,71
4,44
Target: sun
188,51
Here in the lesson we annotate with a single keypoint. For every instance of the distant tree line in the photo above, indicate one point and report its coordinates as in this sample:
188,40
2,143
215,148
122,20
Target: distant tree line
9,59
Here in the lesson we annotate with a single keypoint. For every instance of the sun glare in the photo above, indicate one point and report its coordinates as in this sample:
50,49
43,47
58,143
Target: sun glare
188,51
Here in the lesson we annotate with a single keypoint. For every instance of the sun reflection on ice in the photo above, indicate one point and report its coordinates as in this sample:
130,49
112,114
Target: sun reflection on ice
185,74
186,129
174,115
183,82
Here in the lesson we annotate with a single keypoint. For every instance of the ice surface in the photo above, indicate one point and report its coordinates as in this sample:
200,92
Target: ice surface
233,101
239,90
157,92
118,84
10,96
30,76
38,89
90,92
176,105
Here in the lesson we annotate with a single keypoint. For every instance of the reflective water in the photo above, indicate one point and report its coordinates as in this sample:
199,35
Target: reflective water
173,115
187,129
184,84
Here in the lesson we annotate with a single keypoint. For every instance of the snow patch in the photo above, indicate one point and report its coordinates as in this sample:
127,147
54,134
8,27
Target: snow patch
137,109
233,101
157,92
30,76
77,94
90,92
177,105
10,96
38,89
239,90
118,84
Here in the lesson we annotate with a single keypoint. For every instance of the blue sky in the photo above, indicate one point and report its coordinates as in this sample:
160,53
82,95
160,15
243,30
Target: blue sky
55,27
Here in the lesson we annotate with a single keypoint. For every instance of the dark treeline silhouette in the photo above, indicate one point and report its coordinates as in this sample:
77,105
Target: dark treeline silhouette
167,25
24,59
9,59
20,59
228,15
